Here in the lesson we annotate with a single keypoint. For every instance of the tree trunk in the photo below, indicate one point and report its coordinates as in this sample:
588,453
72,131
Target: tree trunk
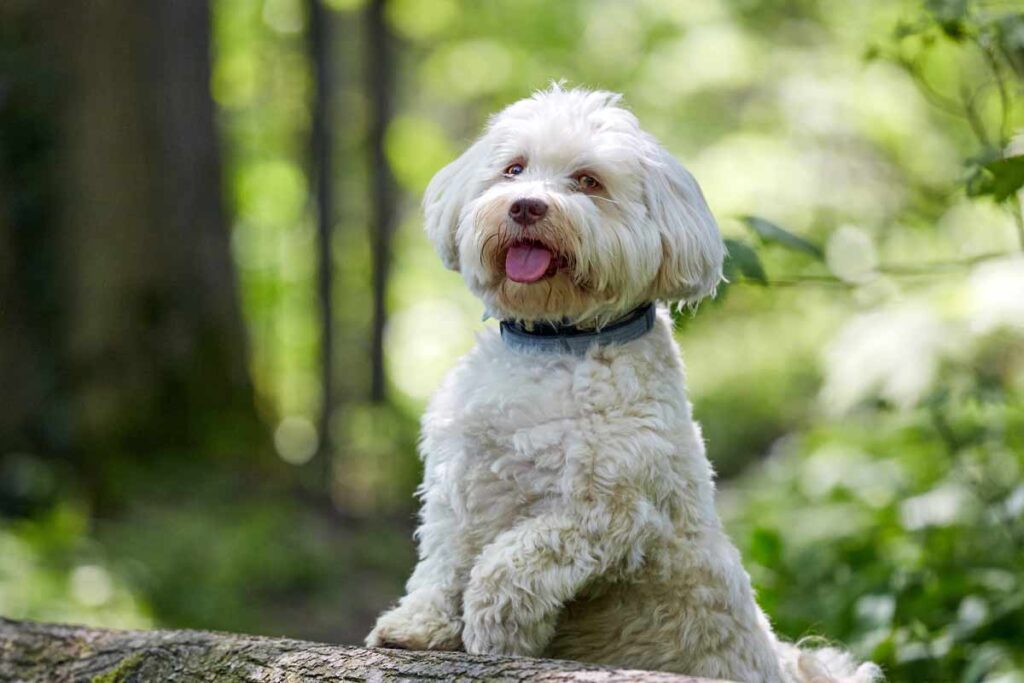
123,274
156,335
43,652
31,94
383,193
321,149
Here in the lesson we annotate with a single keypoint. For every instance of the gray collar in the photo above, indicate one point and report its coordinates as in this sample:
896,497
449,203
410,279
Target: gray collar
545,337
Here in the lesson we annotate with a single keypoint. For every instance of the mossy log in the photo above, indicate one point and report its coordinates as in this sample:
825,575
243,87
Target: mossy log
56,653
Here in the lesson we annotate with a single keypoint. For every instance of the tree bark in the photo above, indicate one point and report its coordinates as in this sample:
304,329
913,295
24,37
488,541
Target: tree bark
32,93
383,192
321,149
38,652
156,343
123,333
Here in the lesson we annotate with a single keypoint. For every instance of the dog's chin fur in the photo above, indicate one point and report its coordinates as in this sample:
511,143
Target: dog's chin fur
556,297
568,505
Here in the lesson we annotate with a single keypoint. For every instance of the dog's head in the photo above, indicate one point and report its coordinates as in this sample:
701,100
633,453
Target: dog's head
565,208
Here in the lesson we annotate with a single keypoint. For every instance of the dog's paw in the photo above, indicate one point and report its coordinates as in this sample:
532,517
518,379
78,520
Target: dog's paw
416,626
500,623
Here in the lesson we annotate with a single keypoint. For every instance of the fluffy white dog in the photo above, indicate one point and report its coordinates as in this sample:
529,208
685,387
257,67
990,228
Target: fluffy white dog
567,501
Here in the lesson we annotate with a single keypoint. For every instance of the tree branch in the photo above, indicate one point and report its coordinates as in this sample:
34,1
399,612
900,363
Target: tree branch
896,270
47,652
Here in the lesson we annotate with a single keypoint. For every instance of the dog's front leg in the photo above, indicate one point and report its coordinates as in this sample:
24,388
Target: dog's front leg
428,616
521,580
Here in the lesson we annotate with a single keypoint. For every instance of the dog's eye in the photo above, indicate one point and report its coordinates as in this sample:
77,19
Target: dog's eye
513,170
588,183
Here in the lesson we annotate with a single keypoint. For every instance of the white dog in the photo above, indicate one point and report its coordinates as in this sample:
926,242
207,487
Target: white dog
567,501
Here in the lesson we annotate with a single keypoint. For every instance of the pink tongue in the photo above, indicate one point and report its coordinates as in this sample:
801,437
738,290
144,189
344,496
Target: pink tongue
527,262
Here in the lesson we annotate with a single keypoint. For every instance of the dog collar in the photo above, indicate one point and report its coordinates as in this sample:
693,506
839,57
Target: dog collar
545,337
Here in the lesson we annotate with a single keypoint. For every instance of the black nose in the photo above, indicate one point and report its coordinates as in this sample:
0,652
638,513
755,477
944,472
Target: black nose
527,211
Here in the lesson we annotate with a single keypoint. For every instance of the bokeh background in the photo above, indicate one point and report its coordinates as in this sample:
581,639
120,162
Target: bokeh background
219,319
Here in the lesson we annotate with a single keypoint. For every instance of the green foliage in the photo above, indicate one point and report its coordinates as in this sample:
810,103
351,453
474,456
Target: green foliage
257,564
770,233
950,15
52,569
742,260
898,536
1001,178
895,522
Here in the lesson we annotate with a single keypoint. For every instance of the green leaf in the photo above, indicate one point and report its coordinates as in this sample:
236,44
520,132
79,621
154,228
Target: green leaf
950,15
744,260
770,232
1000,178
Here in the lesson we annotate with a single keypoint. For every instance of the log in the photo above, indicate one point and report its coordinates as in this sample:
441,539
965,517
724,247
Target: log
58,653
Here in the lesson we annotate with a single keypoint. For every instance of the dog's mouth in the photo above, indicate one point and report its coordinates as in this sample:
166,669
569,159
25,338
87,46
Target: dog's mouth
529,261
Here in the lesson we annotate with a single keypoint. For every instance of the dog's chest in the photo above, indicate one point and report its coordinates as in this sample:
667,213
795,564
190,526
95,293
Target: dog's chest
508,436
522,436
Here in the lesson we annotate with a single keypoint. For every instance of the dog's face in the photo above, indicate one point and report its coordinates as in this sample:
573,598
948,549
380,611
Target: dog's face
565,208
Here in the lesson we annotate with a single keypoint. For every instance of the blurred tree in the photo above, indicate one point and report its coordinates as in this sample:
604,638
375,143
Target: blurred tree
138,277
384,194
319,39
28,298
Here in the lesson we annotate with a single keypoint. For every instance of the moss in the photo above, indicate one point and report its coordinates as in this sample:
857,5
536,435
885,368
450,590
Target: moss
123,671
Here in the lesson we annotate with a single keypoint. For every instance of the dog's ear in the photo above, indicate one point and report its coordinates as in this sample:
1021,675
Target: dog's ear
446,195
692,249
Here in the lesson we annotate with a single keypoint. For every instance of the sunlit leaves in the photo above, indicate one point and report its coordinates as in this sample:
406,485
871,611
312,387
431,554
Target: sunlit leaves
261,84
51,568
940,602
967,59
471,68
851,254
235,79
422,19
416,148
770,233
284,16
272,192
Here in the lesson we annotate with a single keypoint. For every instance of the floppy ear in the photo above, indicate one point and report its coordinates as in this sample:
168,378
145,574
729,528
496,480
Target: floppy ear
446,195
692,249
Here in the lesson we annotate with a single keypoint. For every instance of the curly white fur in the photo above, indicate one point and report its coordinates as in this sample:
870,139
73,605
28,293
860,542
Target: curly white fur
568,506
